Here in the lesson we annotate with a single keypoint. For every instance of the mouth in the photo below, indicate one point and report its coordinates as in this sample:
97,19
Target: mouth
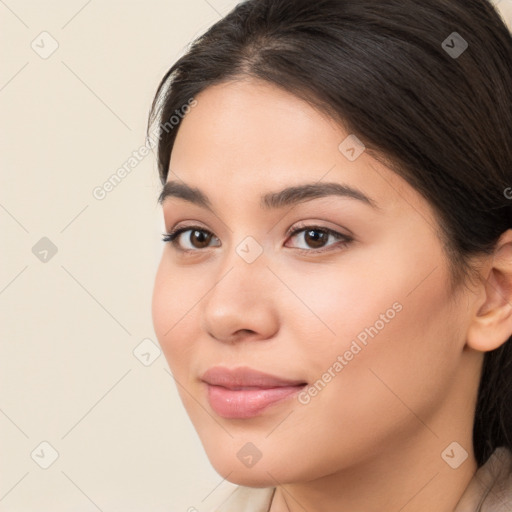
243,392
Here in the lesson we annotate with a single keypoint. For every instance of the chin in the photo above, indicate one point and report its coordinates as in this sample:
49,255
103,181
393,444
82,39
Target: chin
264,473
249,479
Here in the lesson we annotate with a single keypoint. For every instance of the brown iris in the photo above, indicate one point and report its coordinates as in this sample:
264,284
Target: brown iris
317,241
202,237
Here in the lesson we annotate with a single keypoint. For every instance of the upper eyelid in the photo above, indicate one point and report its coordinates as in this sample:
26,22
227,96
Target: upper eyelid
289,232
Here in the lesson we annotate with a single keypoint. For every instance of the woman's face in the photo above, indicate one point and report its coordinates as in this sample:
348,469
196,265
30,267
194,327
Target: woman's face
364,318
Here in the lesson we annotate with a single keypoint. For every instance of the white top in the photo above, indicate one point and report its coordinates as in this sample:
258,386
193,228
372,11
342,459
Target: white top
490,490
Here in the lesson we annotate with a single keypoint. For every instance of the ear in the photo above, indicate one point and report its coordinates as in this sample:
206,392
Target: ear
491,325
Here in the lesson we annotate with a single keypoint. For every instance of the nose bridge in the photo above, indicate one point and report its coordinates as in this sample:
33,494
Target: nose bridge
239,298
244,269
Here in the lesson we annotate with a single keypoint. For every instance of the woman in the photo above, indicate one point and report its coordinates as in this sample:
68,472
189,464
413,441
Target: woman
334,300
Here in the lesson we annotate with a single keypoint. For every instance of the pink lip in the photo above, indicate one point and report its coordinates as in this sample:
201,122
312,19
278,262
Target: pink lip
244,393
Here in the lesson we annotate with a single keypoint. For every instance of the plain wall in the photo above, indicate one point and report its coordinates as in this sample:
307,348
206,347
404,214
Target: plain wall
77,270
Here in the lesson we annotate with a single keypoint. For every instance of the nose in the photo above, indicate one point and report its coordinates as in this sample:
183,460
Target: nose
240,304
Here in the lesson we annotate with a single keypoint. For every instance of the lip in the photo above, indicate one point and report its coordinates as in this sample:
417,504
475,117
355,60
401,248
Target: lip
244,392
243,376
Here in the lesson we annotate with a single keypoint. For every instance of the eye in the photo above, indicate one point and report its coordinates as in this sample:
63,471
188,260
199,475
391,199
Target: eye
317,238
199,238
314,236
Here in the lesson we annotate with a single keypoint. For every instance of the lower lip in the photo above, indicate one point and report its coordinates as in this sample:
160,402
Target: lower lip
247,403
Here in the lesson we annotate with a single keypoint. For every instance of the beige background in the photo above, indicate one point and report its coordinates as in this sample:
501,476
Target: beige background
74,375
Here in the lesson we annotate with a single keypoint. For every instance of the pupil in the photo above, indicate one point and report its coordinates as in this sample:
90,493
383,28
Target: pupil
317,242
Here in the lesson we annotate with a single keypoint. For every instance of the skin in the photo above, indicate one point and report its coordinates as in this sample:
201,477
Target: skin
372,439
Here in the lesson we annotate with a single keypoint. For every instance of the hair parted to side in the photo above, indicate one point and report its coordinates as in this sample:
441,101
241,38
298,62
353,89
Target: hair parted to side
442,123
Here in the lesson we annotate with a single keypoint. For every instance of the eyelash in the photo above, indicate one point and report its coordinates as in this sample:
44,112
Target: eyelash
345,240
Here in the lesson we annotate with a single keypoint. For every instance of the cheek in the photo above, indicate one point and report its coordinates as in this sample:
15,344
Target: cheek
377,293
386,323
171,312
341,304
401,372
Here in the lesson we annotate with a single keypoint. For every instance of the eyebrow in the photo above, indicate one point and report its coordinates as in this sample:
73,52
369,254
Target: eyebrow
273,200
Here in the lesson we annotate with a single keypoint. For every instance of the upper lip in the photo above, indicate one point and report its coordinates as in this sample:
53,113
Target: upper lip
245,377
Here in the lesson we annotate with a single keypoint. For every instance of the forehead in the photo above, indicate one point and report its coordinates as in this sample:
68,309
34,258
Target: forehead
238,120
252,136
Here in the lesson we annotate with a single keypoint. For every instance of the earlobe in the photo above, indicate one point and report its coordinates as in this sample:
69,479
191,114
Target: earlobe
491,326
491,330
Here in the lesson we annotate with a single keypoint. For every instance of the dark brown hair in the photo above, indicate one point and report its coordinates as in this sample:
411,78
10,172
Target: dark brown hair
399,76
